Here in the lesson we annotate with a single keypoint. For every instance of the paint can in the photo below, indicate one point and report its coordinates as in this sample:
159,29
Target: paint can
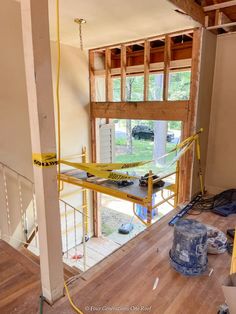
188,254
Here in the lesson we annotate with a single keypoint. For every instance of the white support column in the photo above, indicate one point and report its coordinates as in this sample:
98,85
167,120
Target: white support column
35,27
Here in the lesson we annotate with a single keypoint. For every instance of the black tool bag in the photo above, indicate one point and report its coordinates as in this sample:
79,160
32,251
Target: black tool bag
224,198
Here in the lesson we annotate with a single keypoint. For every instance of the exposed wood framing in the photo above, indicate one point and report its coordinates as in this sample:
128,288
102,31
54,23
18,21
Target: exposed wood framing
224,26
92,98
184,111
189,127
123,73
167,59
223,21
93,141
158,37
153,67
221,5
191,8
146,69
108,86
145,110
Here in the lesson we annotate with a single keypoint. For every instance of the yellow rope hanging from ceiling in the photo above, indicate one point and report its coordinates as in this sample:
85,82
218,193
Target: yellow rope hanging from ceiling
59,119
58,90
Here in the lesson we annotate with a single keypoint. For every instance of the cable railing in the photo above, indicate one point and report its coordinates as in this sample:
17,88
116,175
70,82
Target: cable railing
18,214
18,218
74,237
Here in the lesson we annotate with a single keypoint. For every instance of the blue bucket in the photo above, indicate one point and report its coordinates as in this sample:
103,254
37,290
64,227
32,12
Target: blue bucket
188,254
142,211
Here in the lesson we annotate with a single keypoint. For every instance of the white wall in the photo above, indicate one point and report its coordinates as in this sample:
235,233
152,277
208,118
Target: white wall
15,143
74,99
221,161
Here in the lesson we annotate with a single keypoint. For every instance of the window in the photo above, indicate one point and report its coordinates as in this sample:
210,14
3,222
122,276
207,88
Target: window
155,86
134,88
179,85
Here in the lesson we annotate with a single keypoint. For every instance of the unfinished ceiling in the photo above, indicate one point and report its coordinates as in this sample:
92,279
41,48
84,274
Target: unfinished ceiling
112,21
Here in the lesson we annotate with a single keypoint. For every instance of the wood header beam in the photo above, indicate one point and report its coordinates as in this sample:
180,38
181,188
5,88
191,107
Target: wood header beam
218,6
191,8
142,110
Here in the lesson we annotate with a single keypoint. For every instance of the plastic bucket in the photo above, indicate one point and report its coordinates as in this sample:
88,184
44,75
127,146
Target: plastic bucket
188,254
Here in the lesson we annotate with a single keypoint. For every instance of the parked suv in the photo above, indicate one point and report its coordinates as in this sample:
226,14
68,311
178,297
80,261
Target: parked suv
146,133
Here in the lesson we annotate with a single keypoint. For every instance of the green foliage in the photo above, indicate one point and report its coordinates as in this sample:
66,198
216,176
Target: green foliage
142,150
179,85
174,125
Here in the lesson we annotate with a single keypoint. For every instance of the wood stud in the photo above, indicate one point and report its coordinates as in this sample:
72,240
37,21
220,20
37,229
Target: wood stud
93,137
123,73
189,126
108,79
167,59
146,69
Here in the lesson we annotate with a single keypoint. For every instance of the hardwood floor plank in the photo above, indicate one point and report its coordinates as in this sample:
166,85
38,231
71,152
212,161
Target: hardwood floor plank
128,278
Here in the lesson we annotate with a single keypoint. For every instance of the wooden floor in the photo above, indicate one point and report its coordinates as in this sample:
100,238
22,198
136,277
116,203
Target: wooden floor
126,278
19,282
20,285
123,280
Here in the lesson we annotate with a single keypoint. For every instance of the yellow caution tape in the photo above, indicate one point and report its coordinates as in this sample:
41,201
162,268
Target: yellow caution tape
111,166
114,176
45,159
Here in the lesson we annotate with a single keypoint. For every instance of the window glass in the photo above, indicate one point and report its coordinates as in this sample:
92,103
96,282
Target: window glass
156,86
116,89
179,85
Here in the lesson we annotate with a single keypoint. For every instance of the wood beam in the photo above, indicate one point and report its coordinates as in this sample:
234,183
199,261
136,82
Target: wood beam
108,83
167,59
158,37
221,5
144,110
222,20
93,136
227,25
191,8
146,69
123,73
36,43
189,127
92,98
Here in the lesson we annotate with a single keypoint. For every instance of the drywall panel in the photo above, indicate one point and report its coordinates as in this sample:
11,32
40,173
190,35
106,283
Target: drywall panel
221,165
207,66
74,103
15,144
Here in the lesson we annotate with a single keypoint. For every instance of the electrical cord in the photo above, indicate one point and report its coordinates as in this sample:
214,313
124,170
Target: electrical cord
58,90
70,300
59,126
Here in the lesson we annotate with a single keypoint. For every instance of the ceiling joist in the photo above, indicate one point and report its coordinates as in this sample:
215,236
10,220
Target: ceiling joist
191,8
218,6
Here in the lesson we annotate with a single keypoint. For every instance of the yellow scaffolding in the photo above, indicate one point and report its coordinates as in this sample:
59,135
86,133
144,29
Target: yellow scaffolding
134,193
